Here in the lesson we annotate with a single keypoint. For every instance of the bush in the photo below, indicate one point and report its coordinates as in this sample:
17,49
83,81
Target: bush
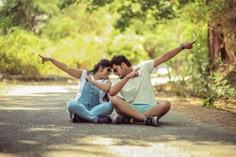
18,53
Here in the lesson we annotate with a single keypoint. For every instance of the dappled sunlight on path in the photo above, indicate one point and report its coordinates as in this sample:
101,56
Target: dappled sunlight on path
36,123
192,108
35,90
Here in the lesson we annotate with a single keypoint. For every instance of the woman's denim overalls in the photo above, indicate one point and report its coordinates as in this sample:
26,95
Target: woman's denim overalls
88,106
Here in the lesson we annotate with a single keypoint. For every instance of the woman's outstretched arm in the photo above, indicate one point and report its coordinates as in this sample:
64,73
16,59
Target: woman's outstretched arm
71,71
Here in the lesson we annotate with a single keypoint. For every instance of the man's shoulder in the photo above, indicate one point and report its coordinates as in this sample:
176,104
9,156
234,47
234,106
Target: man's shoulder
147,62
147,65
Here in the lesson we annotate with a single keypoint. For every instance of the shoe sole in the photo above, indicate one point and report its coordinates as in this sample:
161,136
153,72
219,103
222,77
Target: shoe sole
156,121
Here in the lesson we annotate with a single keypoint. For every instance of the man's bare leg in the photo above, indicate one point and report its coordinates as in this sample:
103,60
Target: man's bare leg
158,110
126,109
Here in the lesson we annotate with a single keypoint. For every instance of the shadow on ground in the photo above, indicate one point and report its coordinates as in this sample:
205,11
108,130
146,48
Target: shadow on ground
34,122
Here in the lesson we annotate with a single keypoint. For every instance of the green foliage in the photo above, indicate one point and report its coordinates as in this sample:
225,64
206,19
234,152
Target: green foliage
66,3
26,14
17,53
74,21
193,67
129,45
211,85
81,36
161,39
82,52
131,10
209,101
219,13
73,37
218,88
65,30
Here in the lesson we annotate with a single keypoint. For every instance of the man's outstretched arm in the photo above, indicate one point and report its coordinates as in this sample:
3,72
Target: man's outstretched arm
170,54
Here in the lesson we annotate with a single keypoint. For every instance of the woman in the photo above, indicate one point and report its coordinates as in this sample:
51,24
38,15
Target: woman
92,102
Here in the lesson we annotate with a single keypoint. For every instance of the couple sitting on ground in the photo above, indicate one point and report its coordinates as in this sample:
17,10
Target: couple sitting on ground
132,95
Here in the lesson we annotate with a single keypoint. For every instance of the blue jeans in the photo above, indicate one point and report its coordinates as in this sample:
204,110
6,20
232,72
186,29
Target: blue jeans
90,113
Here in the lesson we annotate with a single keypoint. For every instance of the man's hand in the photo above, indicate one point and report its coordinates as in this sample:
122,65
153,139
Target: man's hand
45,59
189,45
133,74
88,78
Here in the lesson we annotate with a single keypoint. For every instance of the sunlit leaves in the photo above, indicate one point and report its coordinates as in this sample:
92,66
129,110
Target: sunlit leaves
18,53
130,10
129,45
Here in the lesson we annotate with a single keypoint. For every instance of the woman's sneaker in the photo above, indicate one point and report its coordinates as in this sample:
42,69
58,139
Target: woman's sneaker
153,121
124,120
104,120
78,119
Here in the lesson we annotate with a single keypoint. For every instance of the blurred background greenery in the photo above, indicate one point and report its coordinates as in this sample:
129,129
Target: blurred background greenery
81,32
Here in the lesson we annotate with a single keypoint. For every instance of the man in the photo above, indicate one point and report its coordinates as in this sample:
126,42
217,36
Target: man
133,95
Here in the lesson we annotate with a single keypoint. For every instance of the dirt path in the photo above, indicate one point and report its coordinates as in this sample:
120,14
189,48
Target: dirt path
34,122
191,107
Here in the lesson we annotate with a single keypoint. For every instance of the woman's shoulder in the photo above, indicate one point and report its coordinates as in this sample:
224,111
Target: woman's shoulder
84,74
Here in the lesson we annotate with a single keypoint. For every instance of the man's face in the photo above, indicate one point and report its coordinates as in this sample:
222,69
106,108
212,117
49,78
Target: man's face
118,70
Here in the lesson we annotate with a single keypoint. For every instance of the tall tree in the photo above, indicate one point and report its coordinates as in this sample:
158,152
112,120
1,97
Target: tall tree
222,32
27,14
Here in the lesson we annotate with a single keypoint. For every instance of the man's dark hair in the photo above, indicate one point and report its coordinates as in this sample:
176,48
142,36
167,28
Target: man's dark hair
118,59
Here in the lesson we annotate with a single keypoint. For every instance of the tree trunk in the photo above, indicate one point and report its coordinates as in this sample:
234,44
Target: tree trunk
218,48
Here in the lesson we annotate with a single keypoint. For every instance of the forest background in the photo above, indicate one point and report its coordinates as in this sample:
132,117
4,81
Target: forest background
81,32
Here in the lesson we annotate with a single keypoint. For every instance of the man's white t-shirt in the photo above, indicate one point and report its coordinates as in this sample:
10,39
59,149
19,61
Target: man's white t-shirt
139,90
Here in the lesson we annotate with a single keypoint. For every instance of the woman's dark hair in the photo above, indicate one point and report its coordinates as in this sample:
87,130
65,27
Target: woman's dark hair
103,62
118,59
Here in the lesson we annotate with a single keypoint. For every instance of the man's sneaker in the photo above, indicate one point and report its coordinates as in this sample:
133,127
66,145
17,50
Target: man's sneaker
104,119
153,121
124,120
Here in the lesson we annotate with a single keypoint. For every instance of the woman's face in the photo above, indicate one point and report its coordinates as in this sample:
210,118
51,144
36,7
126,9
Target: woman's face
105,72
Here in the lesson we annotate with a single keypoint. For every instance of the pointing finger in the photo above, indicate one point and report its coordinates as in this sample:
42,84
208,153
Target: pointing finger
194,41
137,69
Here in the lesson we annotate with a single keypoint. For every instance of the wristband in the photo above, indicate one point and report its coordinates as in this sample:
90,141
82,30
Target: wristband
182,46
